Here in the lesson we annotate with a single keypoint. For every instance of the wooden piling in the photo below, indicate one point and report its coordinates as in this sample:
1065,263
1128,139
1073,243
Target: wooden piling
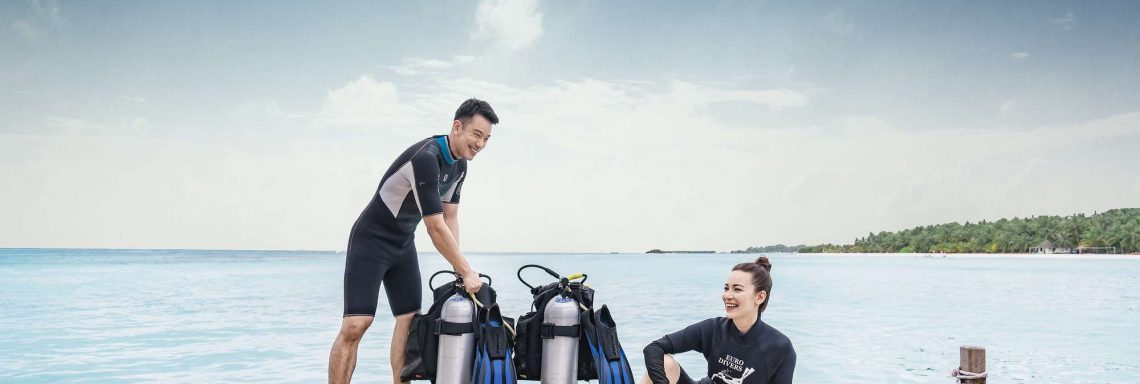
972,359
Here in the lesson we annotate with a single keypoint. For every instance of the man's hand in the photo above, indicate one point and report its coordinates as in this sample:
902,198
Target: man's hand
471,282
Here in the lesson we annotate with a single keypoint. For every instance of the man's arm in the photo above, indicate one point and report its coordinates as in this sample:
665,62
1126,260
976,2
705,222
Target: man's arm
445,242
451,217
425,185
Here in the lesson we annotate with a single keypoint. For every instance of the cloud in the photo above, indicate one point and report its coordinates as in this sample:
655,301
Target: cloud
133,99
584,133
1019,55
513,24
1008,106
415,65
839,21
362,101
261,109
367,103
69,126
649,157
48,9
658,152
864,123
1066,22
151,193
41,16
26,29
403,70
774,99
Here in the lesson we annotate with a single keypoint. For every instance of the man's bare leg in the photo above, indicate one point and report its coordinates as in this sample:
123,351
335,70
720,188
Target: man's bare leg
342,358
399,340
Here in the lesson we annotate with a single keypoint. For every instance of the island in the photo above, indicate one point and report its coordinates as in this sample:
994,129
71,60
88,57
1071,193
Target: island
1115,231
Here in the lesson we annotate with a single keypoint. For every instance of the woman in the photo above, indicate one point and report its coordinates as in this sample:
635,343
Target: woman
739,348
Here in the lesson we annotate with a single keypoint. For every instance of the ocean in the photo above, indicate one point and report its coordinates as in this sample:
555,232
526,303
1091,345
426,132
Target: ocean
181,316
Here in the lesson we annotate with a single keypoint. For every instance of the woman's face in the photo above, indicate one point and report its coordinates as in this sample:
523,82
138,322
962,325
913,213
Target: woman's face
741,301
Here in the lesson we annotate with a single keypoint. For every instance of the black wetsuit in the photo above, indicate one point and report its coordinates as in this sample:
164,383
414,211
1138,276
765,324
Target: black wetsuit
763,355
381,246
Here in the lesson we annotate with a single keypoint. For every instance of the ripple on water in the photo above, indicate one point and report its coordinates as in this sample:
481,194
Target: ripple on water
231,316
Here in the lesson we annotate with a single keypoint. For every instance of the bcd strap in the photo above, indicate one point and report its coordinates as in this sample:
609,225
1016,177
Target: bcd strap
448,328
496,342
610,345
549,330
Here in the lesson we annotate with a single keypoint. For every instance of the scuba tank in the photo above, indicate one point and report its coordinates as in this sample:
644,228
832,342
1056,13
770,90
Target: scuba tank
456,351
553,323
441,341
560,352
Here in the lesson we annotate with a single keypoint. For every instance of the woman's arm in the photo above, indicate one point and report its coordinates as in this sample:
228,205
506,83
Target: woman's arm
695,337
787,367
655,360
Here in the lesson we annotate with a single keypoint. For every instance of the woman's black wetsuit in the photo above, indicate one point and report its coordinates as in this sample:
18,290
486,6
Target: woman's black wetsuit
762,355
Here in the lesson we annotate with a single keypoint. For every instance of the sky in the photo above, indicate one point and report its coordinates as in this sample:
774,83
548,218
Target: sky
625,126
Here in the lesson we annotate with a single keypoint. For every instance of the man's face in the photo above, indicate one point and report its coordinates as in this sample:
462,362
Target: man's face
470,138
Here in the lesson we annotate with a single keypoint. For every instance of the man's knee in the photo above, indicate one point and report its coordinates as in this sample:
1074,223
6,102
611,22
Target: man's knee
405,319
352,328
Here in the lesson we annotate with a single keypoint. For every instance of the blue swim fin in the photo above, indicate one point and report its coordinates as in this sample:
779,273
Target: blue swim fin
494,363
609,357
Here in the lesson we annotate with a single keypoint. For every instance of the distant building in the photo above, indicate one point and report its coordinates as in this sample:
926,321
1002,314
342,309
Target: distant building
1047,247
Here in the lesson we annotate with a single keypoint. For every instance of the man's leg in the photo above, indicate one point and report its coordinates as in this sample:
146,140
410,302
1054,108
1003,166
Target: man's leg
399,340
403,285
342,358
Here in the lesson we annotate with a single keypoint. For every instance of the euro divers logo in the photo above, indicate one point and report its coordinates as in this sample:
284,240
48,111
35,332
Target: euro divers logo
445,177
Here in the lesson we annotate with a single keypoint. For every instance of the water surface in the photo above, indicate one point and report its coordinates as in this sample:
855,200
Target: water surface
69,316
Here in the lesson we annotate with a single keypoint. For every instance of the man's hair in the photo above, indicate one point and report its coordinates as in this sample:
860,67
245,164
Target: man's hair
473,107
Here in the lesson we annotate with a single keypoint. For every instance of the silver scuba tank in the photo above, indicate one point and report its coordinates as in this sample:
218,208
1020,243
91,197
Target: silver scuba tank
560,354
456,352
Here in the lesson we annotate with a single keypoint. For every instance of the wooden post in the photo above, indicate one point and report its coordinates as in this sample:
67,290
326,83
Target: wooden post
972,359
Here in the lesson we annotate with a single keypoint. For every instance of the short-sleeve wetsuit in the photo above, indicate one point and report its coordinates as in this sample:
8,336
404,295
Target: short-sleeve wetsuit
762,355
381,246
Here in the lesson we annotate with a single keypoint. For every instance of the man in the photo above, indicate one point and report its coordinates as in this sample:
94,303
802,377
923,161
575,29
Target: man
424,182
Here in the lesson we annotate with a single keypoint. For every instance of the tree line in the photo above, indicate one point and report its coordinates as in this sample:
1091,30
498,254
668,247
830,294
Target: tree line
1119,228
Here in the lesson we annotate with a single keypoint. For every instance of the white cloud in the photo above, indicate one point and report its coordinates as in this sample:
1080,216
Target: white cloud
839,21
141,192
1008,106
864,123
48,9
1065,22
513,24
260,109
415,65
26,29
648,157
405,71
41,16
69,126
774,99
73,126
1019,55
366,102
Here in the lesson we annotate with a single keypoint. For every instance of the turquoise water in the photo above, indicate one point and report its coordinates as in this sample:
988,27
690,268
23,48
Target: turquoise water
269,316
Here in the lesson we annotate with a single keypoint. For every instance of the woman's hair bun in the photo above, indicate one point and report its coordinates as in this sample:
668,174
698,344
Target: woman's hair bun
763,261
